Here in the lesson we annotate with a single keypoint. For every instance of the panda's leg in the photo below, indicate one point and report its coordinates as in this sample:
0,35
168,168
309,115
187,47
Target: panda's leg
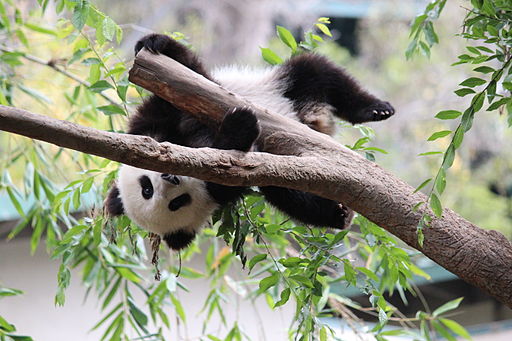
239,130
163,44
311,80
309,208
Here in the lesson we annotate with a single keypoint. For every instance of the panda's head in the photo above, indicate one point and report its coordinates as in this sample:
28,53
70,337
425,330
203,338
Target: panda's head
175,207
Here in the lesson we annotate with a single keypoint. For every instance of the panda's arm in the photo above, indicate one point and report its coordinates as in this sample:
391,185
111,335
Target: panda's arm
309,208
310,79
238,131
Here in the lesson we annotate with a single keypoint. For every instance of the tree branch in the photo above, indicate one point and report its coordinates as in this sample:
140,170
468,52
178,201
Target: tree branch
308,161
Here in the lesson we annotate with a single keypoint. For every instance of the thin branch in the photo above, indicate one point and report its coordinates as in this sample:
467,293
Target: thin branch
52,64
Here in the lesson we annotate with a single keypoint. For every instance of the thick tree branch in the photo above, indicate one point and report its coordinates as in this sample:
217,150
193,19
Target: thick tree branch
309,161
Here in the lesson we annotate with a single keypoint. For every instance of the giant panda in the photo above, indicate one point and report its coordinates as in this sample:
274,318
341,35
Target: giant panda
308,88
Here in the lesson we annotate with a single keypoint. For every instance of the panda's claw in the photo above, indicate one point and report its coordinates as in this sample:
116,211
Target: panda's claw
376,112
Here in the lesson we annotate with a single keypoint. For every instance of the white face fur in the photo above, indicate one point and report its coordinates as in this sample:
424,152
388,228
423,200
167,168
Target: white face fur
164,203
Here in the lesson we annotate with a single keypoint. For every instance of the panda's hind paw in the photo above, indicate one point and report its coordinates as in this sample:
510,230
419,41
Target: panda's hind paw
378,111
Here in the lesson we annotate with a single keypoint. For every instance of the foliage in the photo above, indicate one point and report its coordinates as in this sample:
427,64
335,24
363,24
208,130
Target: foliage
7,330
487,26
285,262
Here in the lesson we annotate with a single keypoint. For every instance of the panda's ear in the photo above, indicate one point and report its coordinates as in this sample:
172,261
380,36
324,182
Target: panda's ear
113,203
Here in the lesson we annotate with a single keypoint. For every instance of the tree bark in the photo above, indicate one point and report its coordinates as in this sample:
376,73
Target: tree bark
295,157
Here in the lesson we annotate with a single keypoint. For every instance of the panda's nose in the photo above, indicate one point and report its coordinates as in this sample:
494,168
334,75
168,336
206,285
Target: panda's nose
173,179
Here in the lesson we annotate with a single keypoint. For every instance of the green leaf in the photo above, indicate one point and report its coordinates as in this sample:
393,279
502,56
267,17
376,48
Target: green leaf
435,204
5,327
449,156
443,332
338,237
472,82
291,261
303,280
80,14
439,134
99,86
256,259
458,137
325,30
453,304
108,27
268,282
35,94
323,333
287,38
111,110
270,56
271,228
285,295
448,114
75,230
499,103
140,318
41,29
464,91
441,181
111,293
423,184
430,153
179,308
484,69
14,201
128,274
10,292
368,273
456,328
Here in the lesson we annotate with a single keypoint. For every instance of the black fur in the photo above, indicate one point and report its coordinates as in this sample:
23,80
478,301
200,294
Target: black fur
179,240
308,208
239,130
311,82
311,78
180,201
113,204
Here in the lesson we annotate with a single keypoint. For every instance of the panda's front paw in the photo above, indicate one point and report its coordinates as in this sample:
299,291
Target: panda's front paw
347,215
156,43
239,130
378,111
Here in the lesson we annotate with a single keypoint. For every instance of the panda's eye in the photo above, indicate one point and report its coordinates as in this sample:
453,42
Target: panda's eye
147,187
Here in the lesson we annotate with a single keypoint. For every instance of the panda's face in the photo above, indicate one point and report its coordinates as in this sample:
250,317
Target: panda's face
164,203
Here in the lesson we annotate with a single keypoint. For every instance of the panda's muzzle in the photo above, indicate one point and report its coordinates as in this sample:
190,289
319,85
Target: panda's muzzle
173,179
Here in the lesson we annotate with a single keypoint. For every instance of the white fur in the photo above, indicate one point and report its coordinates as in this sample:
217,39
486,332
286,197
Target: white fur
153,214
260,86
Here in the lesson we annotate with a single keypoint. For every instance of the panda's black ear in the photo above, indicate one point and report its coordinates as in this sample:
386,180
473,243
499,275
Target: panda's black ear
113,203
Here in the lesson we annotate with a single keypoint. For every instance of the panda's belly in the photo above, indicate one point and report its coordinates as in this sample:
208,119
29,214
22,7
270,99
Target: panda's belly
260,87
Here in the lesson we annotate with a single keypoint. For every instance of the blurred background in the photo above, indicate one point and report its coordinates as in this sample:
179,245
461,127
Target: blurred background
369,40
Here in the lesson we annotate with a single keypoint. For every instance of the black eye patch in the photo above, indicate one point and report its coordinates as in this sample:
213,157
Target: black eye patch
179,202
147,187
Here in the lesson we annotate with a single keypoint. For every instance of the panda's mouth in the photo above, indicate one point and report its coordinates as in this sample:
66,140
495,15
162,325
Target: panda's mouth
180,201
